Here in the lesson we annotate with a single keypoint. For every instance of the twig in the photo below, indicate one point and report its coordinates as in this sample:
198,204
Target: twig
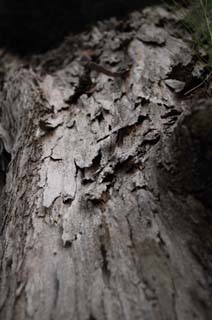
199,85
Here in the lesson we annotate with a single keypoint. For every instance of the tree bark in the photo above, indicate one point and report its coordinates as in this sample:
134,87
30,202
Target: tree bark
106,207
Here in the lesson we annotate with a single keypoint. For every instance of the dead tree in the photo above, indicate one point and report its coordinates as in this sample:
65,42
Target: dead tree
105,208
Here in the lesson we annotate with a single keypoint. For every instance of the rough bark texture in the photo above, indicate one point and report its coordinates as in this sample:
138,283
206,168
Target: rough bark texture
105,213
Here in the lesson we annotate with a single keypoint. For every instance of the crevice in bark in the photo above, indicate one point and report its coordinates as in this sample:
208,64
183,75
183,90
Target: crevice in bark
91,317
105,270
104,247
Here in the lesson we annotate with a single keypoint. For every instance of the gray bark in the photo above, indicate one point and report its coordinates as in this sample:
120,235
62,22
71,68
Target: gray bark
105,212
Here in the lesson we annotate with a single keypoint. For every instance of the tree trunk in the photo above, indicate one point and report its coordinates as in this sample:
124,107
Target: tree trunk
105,210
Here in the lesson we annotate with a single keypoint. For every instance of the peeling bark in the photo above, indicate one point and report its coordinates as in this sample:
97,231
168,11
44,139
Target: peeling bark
105,212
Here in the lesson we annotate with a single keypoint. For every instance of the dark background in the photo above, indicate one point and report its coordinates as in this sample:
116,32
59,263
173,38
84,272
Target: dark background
28,26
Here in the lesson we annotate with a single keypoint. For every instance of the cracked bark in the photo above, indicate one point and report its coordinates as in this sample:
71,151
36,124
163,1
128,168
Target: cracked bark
105,211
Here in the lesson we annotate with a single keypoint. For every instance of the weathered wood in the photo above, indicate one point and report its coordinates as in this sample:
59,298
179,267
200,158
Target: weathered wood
94,222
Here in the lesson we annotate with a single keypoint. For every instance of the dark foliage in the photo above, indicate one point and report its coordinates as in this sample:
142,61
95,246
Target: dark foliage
37,25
